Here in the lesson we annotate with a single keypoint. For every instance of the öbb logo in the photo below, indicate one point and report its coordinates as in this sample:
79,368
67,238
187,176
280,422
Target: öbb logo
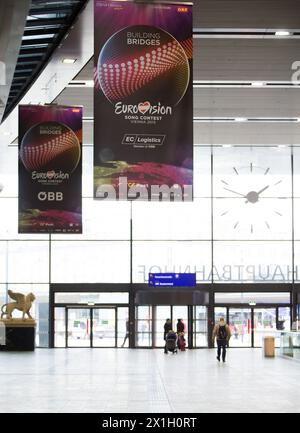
50,196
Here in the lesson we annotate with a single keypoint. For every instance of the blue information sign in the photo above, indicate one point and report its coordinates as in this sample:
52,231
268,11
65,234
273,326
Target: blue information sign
172,280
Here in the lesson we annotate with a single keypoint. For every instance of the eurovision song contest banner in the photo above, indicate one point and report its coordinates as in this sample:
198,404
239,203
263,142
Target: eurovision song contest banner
143,95
50,169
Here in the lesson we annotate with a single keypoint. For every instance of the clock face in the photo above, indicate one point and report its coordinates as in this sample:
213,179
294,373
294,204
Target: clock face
251,202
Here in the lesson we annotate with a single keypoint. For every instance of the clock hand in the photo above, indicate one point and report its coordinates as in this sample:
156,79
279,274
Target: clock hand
262,190
234,192
253,196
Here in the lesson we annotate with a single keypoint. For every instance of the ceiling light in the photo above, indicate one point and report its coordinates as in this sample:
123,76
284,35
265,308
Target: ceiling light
69,61
226,145
281,145
258,83
282,33
81,83
241,119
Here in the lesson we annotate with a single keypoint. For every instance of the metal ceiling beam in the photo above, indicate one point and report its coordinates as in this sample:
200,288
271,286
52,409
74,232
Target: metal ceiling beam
13,16
31,51
27,60
40,32
50,10
45,22
43,41
43,47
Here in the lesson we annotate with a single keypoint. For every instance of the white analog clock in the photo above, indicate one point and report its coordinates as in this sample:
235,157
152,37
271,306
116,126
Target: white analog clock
251,200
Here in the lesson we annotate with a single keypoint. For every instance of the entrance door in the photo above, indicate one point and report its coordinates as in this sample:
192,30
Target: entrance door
104,327
79,327
240,326
264,321
248,326
173,312
91,327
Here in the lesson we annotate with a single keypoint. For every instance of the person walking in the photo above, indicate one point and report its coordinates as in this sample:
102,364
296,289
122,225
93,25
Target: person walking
180,326
127,333
222,333
180,332
167,328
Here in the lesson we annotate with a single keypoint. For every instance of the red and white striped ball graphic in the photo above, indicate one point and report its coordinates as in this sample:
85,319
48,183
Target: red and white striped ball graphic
50,146
132,66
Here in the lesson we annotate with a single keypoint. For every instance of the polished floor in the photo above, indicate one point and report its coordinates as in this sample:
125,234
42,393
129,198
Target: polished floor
110,380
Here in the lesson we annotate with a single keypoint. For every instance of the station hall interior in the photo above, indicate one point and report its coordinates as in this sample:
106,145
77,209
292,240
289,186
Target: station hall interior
99,325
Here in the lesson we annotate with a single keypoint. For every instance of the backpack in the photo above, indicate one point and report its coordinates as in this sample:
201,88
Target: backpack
222,333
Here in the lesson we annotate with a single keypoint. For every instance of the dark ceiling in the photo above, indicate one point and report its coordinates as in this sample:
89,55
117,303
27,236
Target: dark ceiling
47,23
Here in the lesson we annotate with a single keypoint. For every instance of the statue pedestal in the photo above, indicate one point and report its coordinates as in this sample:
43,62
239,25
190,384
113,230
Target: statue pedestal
19,334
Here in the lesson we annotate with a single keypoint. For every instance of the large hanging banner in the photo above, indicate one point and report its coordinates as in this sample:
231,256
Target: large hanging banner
50,169
143,100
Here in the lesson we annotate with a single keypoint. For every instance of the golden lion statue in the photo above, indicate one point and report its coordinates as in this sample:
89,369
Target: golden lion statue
23,303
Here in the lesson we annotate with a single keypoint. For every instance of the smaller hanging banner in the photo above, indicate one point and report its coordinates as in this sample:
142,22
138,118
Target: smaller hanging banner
50,169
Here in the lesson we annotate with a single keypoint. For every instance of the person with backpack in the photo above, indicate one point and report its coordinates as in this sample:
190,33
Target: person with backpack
222,333
167,328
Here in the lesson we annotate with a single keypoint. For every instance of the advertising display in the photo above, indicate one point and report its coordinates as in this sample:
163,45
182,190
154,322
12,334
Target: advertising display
50,169
143,98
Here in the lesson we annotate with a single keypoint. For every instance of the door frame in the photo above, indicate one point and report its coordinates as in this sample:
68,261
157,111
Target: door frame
91,309
252,308
190,322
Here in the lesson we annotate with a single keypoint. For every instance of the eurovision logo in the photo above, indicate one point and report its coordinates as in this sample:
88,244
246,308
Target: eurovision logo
143,108
143,63
50,151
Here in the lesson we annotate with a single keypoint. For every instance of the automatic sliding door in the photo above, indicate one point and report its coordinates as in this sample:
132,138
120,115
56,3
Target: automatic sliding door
79,327
162,313
264,324
240,327
104,327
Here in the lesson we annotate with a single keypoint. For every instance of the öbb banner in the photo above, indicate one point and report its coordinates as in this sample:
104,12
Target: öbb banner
50,169
143,101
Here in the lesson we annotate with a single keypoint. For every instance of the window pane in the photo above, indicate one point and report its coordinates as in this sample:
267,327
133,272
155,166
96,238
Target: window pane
202,171
24,262
296,160
297,218
249,262
160,257
90,262
237,218
245,169
102,220
9,171
245,298
9,222
86,297
159,221
297,261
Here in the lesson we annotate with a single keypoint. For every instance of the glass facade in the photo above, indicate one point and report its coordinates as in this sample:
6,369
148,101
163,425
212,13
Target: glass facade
242,227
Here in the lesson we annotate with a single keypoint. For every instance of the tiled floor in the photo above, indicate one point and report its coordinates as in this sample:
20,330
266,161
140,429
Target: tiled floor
110,380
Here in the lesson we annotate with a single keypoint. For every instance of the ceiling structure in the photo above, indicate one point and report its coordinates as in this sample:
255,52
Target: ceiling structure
244,93
47,23
12,19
